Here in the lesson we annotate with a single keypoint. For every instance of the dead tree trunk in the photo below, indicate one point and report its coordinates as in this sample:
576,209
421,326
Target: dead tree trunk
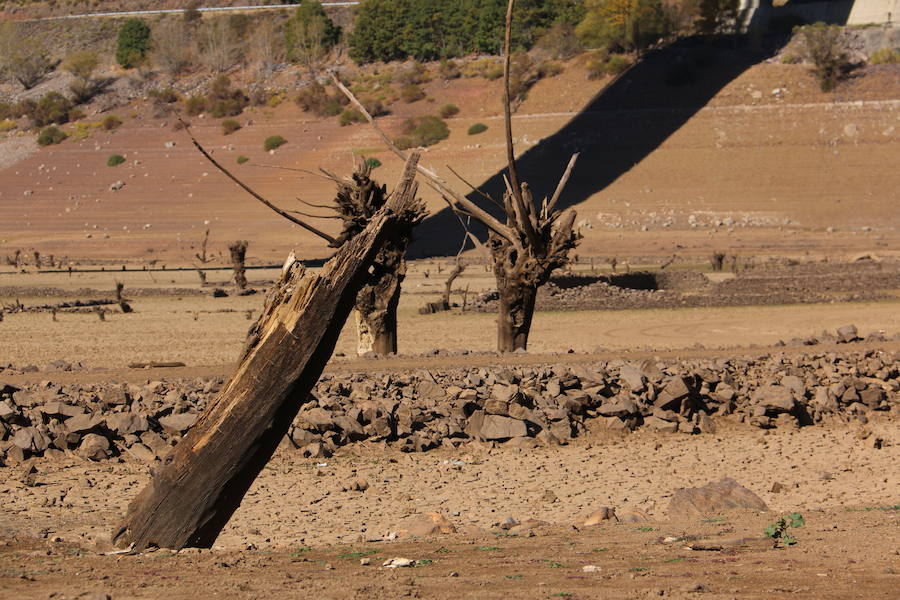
358,198
238,252
201,256
120,298
203,479
448,285
377,301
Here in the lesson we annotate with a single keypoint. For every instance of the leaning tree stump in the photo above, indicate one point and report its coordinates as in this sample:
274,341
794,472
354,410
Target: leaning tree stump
204,478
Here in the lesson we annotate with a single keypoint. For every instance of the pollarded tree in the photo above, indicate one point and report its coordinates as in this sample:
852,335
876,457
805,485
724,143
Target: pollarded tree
358,200
534,240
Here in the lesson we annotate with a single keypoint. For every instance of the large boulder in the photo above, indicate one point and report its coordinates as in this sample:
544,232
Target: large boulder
774,399
494,427
712,498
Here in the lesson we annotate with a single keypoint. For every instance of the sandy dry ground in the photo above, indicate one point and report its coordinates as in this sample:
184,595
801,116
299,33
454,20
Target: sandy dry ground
297,511
203,331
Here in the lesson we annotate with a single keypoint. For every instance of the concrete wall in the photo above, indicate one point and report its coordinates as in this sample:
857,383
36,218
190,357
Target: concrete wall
838,12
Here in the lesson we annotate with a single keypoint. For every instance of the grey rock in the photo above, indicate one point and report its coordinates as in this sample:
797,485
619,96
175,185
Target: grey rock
774,399
178,423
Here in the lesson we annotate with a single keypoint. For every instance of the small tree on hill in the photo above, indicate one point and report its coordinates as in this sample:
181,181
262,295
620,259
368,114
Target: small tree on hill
133,43
309,35
823,46
82,65
22,57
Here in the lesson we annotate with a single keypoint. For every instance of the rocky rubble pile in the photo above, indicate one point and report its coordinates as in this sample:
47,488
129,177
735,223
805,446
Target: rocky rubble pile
425,409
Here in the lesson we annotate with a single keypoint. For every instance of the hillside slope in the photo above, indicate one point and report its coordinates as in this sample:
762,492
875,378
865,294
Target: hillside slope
752,160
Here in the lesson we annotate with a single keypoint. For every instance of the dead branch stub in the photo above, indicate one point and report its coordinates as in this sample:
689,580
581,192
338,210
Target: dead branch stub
238,251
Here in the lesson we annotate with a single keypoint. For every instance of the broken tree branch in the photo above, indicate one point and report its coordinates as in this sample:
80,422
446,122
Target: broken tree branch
247,189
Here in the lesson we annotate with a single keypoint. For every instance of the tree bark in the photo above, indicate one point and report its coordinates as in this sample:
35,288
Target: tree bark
238,252
514,316
377,301
204,478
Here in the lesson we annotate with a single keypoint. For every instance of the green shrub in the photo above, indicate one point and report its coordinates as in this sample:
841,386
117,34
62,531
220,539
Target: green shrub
416,74
242,159
422,131
7,125
273,142
75,114
350,116
549,68
790,59
51,135
412,93
448,110
164,96
596,65
315,98
195,105
885,56
616,64
449,70
373,163
229,126
224,100
226,108
309,34
133,43
823,46
115,160
53,107
110,122
477,128
489,68
7,111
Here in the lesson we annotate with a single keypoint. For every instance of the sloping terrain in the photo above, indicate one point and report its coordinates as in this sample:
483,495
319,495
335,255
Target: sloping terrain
747,159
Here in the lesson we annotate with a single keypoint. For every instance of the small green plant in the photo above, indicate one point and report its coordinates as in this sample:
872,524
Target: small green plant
616,64
242,159
600,550
778,530
51,135
645,529
115,160
555,565
423,562
449,70
411,93
422,131
488,548
477,128
350,116
195,105
229,126
110,122
299,551
516,576
548,68
7,125
273,142
373,163
885,56
448,110
790,59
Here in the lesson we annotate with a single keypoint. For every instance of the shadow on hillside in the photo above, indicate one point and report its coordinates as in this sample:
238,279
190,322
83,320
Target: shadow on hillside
623,124
633,116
